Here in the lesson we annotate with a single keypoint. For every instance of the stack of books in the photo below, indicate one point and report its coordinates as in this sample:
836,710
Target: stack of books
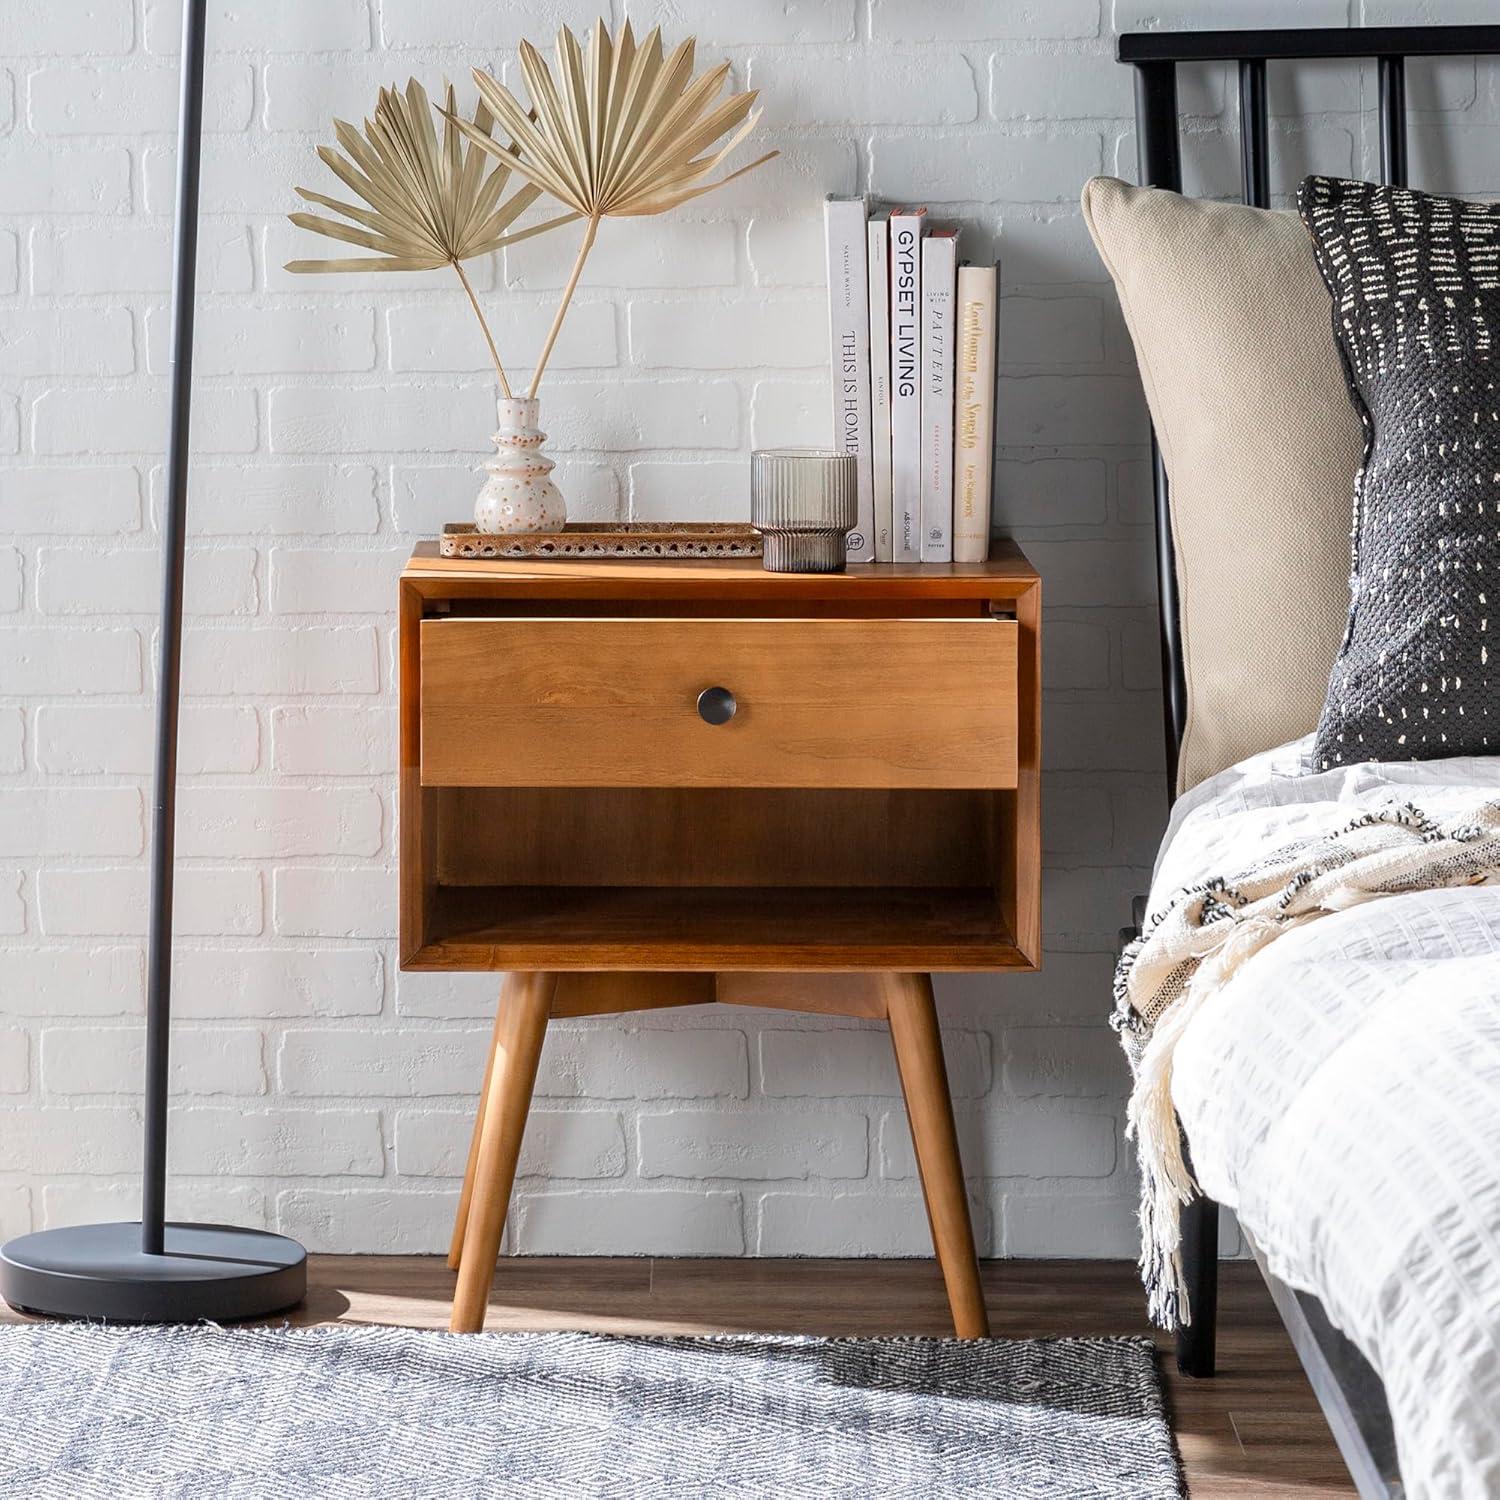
912,332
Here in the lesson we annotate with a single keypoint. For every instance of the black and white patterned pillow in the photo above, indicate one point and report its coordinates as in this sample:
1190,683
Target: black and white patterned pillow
1416,310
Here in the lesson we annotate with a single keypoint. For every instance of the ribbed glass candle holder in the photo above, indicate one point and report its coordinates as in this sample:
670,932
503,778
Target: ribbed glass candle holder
803,502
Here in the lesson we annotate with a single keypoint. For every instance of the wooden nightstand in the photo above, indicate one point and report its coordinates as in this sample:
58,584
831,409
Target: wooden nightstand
635,784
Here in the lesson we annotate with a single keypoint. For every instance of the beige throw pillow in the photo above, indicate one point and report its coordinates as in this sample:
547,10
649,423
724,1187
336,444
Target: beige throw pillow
1234,337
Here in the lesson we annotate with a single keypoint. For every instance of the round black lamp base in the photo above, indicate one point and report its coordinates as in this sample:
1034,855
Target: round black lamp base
98,1271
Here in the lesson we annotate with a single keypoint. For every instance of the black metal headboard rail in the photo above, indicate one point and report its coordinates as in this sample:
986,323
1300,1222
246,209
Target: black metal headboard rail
1155,55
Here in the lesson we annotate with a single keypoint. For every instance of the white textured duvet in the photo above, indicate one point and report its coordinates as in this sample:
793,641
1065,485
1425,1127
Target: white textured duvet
1342,1094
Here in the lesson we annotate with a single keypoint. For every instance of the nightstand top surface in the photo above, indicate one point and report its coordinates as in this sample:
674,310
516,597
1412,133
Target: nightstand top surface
1006,574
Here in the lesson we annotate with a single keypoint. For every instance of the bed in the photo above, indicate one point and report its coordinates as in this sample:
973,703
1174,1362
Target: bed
1342,1094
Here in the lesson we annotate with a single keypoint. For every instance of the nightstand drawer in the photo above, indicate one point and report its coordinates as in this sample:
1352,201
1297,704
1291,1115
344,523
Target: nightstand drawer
881,703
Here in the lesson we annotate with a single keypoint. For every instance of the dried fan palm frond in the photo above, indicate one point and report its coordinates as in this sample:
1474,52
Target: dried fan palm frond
429,205
624,130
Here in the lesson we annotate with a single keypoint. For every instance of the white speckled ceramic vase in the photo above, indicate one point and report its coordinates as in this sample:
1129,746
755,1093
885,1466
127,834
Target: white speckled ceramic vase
519,495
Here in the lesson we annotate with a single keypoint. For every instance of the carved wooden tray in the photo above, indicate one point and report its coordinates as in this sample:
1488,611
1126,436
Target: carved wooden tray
596,539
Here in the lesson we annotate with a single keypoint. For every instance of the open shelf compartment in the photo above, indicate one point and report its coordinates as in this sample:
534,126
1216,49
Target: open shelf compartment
716,878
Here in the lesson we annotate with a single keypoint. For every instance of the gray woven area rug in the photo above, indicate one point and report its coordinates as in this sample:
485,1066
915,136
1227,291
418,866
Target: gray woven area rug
385,1412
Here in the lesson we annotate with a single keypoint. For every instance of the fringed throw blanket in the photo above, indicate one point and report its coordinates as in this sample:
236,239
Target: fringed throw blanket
1193,946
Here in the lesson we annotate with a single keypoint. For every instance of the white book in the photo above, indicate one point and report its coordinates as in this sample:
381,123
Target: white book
849,342
907,228
939,293
879,240
974,411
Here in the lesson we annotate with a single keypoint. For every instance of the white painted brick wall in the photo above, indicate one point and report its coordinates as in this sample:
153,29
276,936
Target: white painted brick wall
583,1143
70,582
645,1221
774,1144
108,1060
225,901
340,418
847,1222
90,739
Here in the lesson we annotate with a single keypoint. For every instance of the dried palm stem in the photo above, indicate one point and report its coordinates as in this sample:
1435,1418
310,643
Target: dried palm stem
584,247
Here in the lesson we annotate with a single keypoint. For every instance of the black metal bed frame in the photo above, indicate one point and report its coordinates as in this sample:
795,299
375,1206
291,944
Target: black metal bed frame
1348,1389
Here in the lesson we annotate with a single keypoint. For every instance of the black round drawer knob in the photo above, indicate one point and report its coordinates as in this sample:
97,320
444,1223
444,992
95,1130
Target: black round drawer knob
716,705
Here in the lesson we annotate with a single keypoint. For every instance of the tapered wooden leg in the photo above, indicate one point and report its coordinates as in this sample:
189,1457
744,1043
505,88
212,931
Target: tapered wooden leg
520,1029
929,1107
466,1196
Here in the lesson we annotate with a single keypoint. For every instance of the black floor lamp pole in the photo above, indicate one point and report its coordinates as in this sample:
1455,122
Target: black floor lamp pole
169,675
155,1272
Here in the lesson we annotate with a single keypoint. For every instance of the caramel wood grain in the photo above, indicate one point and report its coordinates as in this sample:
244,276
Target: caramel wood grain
714,836
721,878
487,605
525,1003
528,1001
1019,843
821,703
604,994
1004,576
466,1193
918,1045
618,927
417,882
825,994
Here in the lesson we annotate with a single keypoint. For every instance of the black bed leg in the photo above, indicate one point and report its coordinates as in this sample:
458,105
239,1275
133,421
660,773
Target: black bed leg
1200,1266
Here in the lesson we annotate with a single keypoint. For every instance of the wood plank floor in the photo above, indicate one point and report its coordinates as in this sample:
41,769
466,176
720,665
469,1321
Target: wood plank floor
1254,1430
